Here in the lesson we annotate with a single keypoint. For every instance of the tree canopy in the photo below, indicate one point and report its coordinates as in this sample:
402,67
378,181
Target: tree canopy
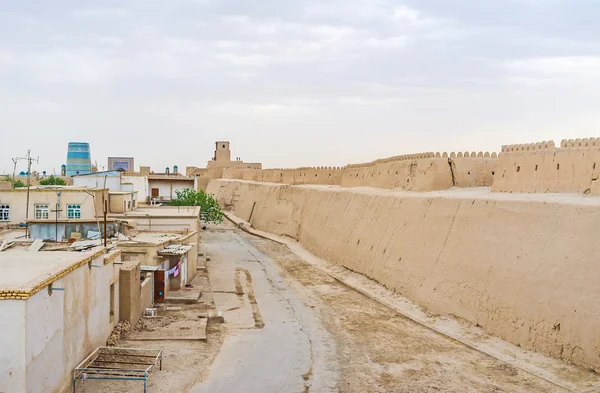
210,211
53,181
16,183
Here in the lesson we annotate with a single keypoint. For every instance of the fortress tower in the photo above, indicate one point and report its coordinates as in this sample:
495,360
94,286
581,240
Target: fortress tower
222,152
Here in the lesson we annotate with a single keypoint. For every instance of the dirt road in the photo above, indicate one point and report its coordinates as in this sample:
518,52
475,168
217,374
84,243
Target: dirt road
380,351
370,348
291,328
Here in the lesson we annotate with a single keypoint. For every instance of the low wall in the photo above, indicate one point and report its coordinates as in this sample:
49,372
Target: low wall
523,269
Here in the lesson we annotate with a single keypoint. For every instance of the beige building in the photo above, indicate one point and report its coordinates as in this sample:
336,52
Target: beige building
163,187
56,307
72,203
170,259
122,201
183,219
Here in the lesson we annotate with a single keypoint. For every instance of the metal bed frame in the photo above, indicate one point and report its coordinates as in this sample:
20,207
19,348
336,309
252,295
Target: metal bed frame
118,364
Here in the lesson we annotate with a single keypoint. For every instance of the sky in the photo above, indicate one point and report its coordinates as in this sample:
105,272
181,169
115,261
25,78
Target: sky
293,83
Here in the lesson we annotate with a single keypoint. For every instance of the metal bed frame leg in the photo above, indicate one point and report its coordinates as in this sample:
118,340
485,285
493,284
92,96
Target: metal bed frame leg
145,379
74,381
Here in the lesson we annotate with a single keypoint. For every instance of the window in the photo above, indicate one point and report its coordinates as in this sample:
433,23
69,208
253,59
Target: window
73,211
41,212
4,212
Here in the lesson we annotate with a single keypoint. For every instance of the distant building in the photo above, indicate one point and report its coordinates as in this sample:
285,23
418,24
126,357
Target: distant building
79,159
222,159
120,164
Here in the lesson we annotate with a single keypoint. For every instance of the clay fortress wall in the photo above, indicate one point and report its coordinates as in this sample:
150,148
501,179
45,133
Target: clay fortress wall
507,241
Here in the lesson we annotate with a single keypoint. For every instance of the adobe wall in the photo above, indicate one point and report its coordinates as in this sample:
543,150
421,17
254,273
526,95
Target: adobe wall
130,295
523,269
418,172
146,293
542,167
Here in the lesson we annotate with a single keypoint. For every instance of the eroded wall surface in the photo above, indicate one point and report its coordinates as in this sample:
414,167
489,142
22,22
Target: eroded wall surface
525,270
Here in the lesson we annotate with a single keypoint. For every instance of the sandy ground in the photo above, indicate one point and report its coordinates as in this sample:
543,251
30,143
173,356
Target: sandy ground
183,361
380,351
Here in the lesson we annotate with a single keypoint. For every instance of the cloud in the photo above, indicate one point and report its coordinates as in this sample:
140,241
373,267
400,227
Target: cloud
99,12
390,42
405,13
564,66
348,64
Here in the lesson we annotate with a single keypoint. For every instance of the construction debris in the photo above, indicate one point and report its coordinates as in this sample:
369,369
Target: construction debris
36,245
6,245
120,332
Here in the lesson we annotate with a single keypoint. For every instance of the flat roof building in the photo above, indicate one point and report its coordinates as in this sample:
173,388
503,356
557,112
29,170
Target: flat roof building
56,308
44,201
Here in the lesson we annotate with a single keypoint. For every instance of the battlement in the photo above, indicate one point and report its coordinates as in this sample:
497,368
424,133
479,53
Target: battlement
529,167
529,147
405,157
579,143
466,154
542,167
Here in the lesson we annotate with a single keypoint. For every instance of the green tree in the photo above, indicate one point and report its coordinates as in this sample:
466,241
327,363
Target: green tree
15,184
53,181
210,211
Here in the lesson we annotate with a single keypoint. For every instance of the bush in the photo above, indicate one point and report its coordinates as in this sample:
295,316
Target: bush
15,184
210,211
53,181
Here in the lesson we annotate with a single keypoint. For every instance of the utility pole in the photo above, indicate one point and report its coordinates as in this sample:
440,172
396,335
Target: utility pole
58,209
14,160
29,161
105,211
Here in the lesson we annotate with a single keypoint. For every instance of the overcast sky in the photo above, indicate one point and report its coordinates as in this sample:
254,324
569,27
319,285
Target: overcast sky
293,83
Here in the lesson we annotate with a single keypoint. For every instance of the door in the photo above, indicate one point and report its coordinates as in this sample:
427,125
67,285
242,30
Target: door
155,193
159,286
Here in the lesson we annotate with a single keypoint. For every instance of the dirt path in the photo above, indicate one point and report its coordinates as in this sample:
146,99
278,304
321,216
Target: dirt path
381,351
184,362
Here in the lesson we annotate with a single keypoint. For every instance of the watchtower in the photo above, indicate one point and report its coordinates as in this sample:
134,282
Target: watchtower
222,152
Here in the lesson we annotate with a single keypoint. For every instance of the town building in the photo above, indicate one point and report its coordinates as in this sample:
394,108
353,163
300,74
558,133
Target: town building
50,203
164,186
125,164
170,258
123,196
57,307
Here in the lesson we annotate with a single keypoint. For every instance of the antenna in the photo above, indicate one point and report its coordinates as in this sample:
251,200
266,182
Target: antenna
29,161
